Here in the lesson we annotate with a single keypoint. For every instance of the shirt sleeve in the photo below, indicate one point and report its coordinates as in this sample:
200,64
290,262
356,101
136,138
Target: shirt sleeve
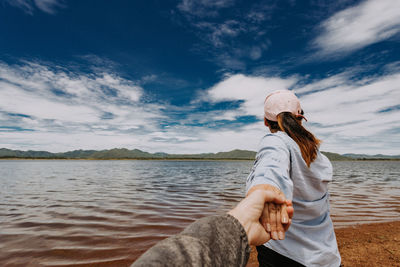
210,241
272,166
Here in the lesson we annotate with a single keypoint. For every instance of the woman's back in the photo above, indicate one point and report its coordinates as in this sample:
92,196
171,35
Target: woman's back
310,239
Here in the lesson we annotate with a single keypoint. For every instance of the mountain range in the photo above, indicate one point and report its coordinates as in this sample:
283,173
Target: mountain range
123,153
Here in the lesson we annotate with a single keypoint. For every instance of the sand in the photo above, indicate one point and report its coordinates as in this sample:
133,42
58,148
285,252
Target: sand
364,245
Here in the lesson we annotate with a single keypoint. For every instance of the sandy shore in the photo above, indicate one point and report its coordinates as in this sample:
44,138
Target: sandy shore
364,245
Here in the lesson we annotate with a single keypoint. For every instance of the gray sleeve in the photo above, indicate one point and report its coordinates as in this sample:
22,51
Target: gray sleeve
210,241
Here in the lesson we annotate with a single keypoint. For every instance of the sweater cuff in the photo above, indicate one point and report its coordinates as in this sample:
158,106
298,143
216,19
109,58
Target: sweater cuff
243,234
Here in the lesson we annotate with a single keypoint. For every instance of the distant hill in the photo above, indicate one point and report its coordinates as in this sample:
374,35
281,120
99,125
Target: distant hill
234,154
4,152
377,156
335,156
123,153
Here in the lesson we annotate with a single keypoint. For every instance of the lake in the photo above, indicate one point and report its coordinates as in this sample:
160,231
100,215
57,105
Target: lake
107,213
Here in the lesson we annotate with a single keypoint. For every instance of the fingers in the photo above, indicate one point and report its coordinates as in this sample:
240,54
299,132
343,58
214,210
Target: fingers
272,219
265,219
279,226
284,214
289,208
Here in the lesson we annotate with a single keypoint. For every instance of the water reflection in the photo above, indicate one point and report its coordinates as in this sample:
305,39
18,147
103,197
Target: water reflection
63,213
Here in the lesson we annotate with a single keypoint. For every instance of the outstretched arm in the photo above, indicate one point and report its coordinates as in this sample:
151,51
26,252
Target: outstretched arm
217,240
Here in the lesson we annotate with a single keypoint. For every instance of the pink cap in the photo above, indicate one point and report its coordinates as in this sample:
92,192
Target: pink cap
281,101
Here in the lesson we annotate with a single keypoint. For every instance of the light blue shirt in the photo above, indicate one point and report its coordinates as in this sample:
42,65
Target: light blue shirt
310,239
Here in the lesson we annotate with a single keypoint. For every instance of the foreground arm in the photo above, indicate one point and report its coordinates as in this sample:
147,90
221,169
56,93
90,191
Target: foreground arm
211,241
215,241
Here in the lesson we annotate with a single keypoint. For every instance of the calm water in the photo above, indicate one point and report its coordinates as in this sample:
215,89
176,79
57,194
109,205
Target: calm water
106,213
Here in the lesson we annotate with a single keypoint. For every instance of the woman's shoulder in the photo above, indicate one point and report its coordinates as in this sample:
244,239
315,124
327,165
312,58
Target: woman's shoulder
279,139
275,141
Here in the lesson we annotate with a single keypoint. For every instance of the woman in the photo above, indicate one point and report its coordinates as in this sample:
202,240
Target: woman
289,161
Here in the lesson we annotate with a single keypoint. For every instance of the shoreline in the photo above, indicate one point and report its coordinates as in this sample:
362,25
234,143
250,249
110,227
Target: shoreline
141,159
180,159
374,244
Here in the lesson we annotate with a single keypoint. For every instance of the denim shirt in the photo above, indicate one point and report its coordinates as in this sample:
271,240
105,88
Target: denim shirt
310,239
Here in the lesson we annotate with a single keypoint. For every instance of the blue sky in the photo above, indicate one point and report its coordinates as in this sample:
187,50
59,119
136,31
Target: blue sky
190,76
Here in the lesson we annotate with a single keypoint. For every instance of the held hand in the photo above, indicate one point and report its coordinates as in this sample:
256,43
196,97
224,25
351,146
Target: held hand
249,211
276,219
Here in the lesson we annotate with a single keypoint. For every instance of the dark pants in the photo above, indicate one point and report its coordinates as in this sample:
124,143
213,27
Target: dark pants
269,258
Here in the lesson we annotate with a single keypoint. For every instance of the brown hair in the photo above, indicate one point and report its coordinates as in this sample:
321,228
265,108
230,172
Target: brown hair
291,125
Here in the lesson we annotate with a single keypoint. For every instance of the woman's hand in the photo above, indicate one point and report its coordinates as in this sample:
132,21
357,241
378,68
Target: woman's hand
249,211
276,219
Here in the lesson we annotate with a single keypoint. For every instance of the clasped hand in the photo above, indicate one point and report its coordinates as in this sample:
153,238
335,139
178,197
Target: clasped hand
264,214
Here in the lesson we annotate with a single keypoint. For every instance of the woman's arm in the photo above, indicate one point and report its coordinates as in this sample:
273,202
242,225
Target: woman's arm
271,172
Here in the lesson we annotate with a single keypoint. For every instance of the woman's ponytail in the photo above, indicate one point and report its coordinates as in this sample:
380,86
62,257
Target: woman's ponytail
291,125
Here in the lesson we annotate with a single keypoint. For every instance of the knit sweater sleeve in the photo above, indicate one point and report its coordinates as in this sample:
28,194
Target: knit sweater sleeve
210,241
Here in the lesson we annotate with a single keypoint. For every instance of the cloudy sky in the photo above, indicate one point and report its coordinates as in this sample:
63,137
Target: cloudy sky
190,76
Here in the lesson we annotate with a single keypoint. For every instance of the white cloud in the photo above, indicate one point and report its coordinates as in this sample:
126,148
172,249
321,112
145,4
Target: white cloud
255,53
73,121
251,90
103,110
14,100
348,114
52,99
28,6
351,29
223,40
49,6
25,5
202,139
349,102
203,8
230,42
219,32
